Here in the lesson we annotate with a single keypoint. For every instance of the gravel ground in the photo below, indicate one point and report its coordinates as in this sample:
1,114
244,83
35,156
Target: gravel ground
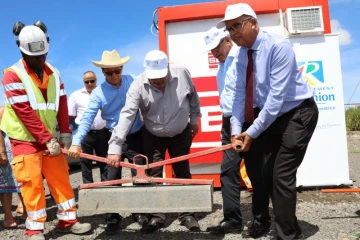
321,216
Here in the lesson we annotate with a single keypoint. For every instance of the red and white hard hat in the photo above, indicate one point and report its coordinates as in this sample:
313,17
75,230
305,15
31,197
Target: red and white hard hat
33,41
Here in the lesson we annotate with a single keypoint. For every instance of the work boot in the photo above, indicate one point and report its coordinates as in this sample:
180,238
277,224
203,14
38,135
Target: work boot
77,228
38,236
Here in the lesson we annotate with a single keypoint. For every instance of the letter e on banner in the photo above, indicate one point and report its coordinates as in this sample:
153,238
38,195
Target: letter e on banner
208,116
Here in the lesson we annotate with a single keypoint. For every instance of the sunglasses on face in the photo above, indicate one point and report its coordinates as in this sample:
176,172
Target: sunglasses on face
236,26
89,81
110,73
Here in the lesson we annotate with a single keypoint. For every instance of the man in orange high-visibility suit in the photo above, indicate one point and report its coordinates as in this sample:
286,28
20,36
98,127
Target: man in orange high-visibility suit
35,101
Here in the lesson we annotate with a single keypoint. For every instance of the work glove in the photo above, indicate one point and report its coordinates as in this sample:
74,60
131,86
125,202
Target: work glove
54,147
65,139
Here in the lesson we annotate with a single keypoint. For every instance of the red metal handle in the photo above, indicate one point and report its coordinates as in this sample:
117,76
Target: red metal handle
140,155
152,165
191,155
83,155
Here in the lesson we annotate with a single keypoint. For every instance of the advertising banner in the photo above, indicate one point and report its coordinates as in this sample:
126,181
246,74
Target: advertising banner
326,160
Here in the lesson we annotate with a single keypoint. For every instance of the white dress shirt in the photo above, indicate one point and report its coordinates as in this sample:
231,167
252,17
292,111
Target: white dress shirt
78,102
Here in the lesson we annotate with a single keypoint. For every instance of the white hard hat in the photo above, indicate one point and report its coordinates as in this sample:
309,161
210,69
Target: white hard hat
33,41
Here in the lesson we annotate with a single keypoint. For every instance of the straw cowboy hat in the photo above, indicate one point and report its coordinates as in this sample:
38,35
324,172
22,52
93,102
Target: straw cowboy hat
111,59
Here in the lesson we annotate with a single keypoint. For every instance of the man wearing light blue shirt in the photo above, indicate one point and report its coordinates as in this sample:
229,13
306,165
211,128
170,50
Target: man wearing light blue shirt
110,98
274,116
221,46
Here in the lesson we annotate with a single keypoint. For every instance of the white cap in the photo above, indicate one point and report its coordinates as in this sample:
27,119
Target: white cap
235,11
156,64
33,41
213,37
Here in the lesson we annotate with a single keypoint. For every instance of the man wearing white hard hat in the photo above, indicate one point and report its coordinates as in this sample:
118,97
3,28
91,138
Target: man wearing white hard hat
274,116
35,103
166,96
110,98
219,43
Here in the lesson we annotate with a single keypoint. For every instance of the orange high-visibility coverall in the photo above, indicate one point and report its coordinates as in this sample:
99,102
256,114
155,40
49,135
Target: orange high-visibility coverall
29,164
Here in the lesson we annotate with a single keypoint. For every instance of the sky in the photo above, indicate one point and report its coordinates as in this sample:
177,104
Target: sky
81,30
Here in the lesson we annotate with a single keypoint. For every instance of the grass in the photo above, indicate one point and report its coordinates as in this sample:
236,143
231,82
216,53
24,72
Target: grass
354,152
352,116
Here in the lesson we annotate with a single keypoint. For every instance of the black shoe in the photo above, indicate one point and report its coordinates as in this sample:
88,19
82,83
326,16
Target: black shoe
230,226
152,226
255,231
112,228
113,224
190,223
141,219
299,234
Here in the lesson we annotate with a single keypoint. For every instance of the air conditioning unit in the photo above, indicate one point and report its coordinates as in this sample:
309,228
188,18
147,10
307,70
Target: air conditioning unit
304,20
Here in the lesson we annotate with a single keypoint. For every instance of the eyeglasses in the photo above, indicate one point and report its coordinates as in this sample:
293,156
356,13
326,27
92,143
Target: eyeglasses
89,81
237,26
110,73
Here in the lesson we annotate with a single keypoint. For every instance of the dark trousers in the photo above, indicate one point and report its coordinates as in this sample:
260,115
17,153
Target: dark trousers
95,140
155,148
272,164
131,147
230,177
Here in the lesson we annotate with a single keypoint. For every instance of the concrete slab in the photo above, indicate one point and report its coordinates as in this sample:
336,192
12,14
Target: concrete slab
147,199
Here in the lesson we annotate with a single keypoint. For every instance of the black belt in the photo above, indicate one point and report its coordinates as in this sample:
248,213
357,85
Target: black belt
305,103
97,130
227,118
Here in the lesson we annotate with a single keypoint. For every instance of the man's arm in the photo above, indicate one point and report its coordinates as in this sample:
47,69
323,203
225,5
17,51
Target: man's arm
238,107
16,95
282,64
194,100
126,118
87,119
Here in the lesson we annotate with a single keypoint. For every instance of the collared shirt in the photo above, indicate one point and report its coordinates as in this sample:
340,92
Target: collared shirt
226,81
110,100
165,114
78,101
278,85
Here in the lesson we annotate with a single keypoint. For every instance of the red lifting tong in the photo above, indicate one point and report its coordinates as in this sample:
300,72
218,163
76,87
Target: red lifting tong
141,175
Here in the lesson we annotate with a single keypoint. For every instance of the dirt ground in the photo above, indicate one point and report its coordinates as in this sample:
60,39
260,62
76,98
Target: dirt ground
321,216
